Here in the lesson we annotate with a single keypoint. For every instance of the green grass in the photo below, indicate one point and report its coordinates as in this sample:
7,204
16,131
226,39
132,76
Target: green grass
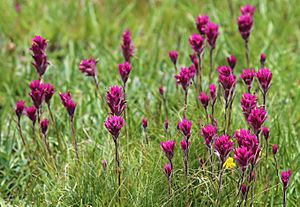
79,29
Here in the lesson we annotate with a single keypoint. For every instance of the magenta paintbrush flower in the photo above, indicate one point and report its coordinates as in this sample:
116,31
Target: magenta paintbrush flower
197,43
20,106
168,170
162,90
275,149
245,24
264,77
256,119
166,125
243,189
184,78
248,10
168,148
223,146
68,103
209,133
225,70
184,145
285,178
201,22
44,126
37,93
114,125
227,80
266,132
195,61
212,33
248,103
30,112
213,93
245,138
185,127
144,123
231,60
248,76
116,100
127,46
243,156
124,71
263,58
204,99
49,90
40,58
173,56
88,67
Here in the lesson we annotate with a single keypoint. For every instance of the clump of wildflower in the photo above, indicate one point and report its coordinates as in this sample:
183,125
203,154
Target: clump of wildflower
114,125
243,156
197,43
264,77
204,99
168,170
124,71
245,24
248,103
30,112
173,56
256,119
39,56
223,146
168,148
68,103
263,58
185,127
116,100
201,22
248,10
231,60
285,179
127,46
248,76
20,106
209,133
88,67
184,145
211,33
37,93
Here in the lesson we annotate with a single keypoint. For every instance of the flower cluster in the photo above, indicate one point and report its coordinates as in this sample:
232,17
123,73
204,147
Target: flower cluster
197,43
201,22
248,103
173,56
114,125
168,148
127,46
185,127
227,80
209,133
223,146
68,103
185,76
124,71
88,67
116,100
248,76
40,58
256,118
212,33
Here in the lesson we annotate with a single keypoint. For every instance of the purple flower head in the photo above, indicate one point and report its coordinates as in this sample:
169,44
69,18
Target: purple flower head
197,43
209,133
37,93
245,138
213,93
275,149
231,60
248,10
114,125
245,23
185,127
44,126
243,156
20,105
161,90
168,148
256,118
168,170
244,189
184,145
195,61
38,49
89,67
264,77
285,178
68,103
225,70
49,90
201,22
193,71
223,146
144,123
39,45
127,46
30,112
204,99
266,132
173,56
212,33
263,58
248,103
184,78
166,125
116,100
124,71
247,76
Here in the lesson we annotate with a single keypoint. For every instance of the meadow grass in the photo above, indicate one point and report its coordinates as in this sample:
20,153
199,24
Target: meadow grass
80,29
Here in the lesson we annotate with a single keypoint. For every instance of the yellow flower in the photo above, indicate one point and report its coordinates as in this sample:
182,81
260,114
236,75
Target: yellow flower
229,163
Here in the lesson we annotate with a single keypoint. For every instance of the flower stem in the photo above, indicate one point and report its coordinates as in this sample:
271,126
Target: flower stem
125,114
74,140
118,168
284,197
276,165
60,142
247,53
46,144
220,183
210,63
99,92
200,72
185,102
146,136
21,134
